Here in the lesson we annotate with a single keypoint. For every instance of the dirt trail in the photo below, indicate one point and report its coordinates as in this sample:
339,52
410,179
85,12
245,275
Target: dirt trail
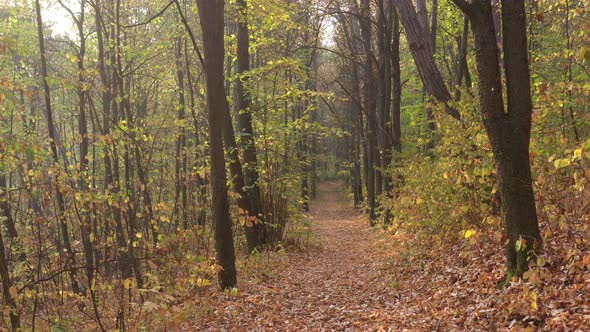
342,285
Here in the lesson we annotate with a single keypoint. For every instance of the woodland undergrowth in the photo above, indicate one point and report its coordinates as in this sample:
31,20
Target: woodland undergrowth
447,228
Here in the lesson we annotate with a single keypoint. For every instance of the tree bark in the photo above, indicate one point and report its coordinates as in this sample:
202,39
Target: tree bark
419,46
462,70
508,132
370,109
254,231
517,195
7,287
61,204
383,95
111,182
211,20
396,132
180,195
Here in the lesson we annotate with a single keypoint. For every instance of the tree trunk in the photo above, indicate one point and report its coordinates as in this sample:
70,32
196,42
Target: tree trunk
509,133
396,99
350,26
370,109
517,186
462,70
180,203
5,209
111,185
419,46
86,227
384,94
7,287
61,204
254,231
434,25
211,20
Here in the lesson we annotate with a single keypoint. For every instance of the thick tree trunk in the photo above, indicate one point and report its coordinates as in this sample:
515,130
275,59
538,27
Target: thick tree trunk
422,12
421,52
517,186
509,132
434,25
211,20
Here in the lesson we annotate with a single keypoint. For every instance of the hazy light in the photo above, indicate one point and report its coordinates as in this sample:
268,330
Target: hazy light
56,17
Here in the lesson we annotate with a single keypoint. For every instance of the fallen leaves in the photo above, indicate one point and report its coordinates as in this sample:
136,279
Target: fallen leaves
366,279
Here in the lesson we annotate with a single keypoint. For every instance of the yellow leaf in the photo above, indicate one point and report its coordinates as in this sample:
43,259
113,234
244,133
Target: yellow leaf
469,233
541,260
561,163
203,282
129,283
13,292
534,304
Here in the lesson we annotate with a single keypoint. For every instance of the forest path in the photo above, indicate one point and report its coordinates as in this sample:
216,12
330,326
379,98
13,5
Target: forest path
341,284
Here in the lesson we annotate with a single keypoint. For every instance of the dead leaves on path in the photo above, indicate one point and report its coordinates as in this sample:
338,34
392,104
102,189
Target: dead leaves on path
363,279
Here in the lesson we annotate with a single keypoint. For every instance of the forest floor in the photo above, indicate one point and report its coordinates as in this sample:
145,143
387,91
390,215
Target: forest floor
353,277
341,282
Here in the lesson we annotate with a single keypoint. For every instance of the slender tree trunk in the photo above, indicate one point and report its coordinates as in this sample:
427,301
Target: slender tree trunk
569,71
211,20
462,69
350,25
180,203
123,110
61,204
86,227
5,209
7,287
370,109
396,99
4,270
382,99
254,228
430,38
201,189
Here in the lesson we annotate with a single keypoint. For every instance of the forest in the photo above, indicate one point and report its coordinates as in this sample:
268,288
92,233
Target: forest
295,165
